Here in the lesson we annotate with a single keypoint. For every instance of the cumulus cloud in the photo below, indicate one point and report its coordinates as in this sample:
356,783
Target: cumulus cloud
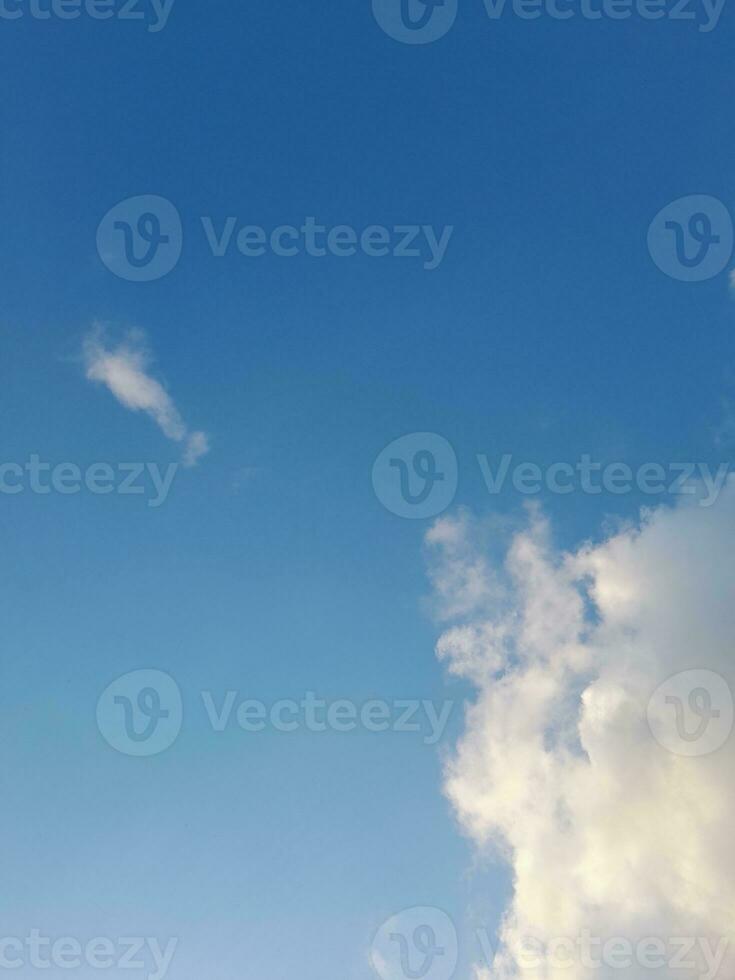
125,370
611,835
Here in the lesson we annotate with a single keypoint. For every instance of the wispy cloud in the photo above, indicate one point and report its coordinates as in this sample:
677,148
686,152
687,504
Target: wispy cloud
606,831
125,370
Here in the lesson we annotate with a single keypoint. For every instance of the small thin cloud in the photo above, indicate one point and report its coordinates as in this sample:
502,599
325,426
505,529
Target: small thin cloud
124,370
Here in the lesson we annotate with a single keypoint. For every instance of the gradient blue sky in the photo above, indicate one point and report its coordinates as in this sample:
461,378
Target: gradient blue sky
272,569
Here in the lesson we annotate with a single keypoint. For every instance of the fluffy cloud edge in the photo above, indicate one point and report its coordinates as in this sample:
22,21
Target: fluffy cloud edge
604,830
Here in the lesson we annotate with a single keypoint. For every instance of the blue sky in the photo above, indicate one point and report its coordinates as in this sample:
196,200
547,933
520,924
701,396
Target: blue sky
547,331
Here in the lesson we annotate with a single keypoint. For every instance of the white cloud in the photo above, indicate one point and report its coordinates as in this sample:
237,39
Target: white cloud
605,830
197,445
124,370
